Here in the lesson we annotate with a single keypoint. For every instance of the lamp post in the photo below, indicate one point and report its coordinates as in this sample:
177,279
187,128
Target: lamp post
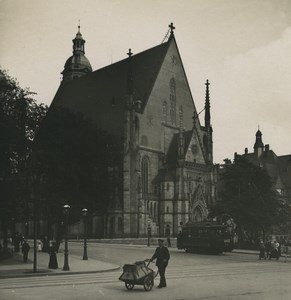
149,232
66,209
85,213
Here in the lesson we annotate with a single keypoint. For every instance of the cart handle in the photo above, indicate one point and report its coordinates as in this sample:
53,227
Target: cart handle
148,260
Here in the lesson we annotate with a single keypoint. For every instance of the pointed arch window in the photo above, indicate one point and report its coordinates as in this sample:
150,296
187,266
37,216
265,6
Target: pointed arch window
165,111
173,101
181,116
145,174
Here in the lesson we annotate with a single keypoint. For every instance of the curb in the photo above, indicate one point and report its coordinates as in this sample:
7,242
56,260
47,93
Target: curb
52,273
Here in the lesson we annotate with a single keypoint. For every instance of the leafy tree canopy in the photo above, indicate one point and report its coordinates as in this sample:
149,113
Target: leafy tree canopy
246,194
20,117
79,161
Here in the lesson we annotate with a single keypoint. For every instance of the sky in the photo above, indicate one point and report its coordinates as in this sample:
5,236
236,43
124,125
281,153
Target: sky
243,47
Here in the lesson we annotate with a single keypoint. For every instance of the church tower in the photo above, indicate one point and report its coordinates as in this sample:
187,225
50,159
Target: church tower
78,64
259,145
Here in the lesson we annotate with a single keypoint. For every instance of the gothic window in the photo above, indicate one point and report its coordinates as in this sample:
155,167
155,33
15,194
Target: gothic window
151,211
145,174
181,116
165,111
173,101
168,186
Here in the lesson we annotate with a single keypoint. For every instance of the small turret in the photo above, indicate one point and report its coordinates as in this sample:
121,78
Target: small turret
259,145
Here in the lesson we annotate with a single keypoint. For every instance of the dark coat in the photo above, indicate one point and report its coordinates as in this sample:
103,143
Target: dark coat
162,255
25,247
53,262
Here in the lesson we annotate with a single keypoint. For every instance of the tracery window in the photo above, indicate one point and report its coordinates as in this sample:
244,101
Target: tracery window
181,116
173,101
165,111
145,174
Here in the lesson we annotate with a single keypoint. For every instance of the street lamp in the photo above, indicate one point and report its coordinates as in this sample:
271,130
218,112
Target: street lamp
66,209
85,213
149,232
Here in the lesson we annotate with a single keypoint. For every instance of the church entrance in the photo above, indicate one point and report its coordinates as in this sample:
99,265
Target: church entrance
198,210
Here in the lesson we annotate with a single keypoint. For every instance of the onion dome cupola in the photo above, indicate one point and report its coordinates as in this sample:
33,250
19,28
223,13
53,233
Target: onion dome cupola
78,64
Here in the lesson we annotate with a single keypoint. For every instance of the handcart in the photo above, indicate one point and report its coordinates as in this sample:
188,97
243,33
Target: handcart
138,273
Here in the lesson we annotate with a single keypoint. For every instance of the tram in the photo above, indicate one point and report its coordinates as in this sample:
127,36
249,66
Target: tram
205,237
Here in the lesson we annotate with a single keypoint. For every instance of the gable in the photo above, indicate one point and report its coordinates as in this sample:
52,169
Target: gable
170,104
194,152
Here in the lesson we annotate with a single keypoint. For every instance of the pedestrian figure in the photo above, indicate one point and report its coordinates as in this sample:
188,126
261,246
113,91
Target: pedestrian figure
162,255
169,241
53,263
277,247
180,240
268,248
39,245
25,249
16,242
285,251
262,251
274,252
45,244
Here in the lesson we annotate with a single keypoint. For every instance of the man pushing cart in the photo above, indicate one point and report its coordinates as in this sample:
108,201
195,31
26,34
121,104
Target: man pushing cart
139,273
162,255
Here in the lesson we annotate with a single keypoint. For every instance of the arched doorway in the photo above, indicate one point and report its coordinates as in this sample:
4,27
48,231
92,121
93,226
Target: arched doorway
198,209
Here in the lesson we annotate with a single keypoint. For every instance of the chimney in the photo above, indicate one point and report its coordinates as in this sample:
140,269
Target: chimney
246,150
267,147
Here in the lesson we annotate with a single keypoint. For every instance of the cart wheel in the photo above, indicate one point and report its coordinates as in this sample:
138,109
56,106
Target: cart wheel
148,283
129,286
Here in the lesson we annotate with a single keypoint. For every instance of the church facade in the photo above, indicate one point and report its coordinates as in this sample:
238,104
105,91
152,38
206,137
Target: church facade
167,169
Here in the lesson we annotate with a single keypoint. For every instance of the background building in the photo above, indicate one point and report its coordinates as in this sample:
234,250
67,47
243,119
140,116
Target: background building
277,167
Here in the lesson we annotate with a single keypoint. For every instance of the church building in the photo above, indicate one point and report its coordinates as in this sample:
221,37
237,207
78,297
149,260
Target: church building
167,167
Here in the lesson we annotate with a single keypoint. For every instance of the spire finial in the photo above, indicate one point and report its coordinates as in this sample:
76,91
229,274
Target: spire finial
207,106
172,27
129,52
79,26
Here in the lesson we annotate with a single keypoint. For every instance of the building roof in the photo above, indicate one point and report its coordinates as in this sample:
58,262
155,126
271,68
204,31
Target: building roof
101,95
277,167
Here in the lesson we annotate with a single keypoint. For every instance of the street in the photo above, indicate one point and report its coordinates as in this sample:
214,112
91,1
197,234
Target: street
189,276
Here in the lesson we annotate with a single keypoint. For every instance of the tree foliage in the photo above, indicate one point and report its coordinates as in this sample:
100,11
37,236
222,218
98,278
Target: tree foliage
246,194
76,160
20,117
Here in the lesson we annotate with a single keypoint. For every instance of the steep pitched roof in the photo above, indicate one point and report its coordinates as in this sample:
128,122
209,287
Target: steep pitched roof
101,94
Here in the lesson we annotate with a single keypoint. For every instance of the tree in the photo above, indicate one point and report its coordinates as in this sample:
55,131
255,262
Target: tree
246,194
76,160
20,117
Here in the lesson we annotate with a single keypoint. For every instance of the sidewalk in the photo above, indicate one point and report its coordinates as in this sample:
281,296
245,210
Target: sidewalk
15,267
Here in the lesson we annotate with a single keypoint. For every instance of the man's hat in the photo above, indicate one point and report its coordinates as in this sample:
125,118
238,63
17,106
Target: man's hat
160,240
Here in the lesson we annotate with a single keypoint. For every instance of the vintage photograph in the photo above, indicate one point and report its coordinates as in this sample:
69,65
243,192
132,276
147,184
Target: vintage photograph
145,149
